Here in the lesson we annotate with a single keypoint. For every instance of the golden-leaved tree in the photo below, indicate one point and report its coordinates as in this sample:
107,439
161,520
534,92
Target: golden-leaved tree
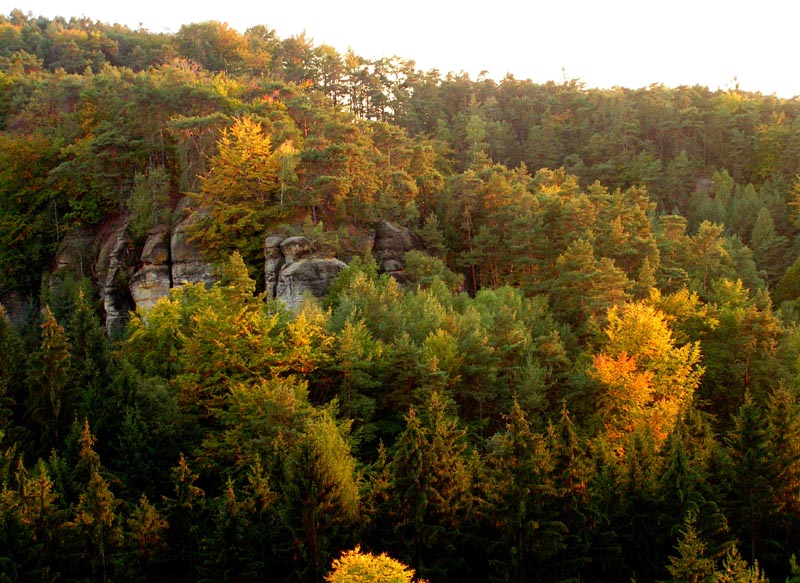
244,189
646,378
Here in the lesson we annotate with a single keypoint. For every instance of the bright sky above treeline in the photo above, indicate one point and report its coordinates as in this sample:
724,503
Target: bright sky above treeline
627,43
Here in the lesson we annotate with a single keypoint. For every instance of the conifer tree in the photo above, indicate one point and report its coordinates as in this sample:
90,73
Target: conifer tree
185,515
751,478
145,542
691,564
431,494
522,495
48,402
96,521
319,500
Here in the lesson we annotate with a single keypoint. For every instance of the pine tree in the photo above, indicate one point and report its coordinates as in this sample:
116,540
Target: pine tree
431,495
751,503
48,403
691,565
96,520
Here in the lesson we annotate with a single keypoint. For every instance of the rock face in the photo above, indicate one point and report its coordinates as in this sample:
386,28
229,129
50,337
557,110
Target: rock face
391,243
129,280
126,278
291,270
273,261
153,280
116,261
187,266
170,258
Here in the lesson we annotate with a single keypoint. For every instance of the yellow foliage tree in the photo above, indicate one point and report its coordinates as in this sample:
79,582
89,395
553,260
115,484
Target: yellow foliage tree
646,377
357,567
243,190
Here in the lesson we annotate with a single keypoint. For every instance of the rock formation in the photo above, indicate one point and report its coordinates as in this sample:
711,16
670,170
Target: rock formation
114,266
187,265
291,270
391,243
153,280
170,258
128,280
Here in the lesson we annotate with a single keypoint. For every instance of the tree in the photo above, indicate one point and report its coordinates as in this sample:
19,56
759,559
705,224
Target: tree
750,479
48,403
11,371
356,566
647,378
185,514
145,541
211,44
431,494
741,351
736,570
96,520
242,190
522,493
691,565
319,499
769,248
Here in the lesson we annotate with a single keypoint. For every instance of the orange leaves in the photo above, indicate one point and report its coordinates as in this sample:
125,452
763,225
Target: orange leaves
628,391
645,378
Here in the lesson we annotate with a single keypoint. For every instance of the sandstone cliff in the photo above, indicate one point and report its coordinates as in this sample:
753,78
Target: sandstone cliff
130,277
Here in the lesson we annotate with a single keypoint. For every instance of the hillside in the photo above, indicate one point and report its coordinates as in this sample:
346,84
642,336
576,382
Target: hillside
552,331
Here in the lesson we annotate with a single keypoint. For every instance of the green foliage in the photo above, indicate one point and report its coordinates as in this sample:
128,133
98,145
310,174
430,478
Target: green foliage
630,274
691,564
148,204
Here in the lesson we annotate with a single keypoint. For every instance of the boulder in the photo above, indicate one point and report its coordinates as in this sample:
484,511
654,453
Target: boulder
309,275
391,243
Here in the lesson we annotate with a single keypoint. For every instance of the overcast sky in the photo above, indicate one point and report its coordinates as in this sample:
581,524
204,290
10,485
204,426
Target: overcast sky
629,43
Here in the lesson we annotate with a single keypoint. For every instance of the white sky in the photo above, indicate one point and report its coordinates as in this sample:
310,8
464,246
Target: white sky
603,43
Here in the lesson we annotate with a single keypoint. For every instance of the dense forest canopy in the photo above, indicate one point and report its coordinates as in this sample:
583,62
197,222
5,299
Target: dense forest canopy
588,372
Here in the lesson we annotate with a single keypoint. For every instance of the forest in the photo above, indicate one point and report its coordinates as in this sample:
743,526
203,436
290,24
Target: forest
589,371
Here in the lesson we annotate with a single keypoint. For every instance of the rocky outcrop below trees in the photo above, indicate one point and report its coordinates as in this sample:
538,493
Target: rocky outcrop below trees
391,244
291,270
130,276
170,258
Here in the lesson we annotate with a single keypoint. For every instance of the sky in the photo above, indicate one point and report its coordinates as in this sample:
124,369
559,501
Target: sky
602,43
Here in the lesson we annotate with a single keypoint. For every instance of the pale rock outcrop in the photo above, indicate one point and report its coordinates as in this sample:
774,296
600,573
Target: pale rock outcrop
291,270
153,280
312,275
273,261
115,264
187,265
